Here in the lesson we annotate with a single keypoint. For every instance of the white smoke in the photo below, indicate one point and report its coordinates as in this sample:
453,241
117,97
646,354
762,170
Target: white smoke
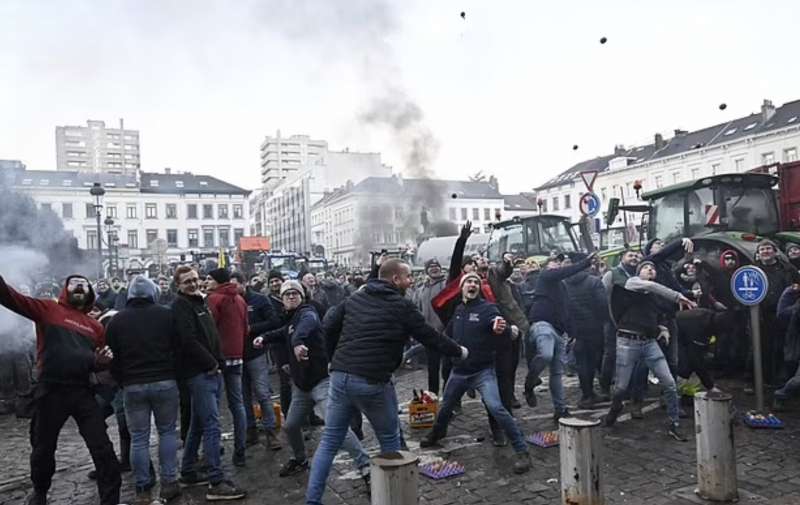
20,269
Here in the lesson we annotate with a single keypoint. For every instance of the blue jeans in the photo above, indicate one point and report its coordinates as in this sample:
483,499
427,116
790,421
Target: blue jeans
302,405
348,395
550,352
255,379
205,391
485,382
631,353
638,385
792,385
161,400
233,392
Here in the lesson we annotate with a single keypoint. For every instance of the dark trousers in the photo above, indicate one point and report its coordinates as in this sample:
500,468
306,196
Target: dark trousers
185,400
437,364
609,365
589,358
52,411
772,336
692,358
285,390
504,369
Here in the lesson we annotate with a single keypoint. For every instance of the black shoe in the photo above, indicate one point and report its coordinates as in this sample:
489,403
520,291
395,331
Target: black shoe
674,430
315,420
239,459
531,381
192,479
430,440
611,417
169,491
522,463
293,467
515,404
636,411
682,414
559,414
37,498
223,491
499,439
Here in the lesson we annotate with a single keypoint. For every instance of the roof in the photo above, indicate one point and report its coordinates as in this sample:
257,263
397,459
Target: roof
187,183
753,180
786,115
519,202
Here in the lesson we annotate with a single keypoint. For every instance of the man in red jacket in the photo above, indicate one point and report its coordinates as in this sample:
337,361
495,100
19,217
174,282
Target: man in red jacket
229,310
70,345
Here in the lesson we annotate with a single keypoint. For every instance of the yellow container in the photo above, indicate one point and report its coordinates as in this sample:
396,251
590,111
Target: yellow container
422,415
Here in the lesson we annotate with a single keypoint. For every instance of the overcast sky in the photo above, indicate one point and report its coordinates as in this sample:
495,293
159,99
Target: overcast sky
508,90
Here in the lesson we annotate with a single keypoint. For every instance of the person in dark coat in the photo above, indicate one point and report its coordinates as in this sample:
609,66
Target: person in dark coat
278,351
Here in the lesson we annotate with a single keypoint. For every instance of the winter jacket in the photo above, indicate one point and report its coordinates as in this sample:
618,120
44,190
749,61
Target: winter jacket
780,276
261,318
107,299
199,341
229,311
664,273
423,299
472,327
166,298
506,302
528,290
66,337
634,306
550,300
329,293
303,328
142,337
587,306
366,334
279,350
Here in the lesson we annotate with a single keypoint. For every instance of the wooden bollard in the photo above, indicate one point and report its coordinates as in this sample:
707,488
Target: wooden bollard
394,478
716,454
579,446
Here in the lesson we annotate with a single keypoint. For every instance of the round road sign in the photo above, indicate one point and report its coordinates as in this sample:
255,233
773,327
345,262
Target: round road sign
590,204
749,285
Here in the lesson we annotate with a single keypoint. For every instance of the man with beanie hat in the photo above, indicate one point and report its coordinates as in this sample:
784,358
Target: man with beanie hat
229,311
635,313
476,325
145,345
278,351
434,283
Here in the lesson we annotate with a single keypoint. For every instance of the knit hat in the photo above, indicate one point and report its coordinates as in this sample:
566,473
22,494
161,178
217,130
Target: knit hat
274,274
292,286
767,242
220,275
642,264
431,262
471,275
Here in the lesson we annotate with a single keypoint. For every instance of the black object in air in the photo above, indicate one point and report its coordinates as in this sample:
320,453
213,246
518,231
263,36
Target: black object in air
454,196
723,106
463,15
575,147
603,40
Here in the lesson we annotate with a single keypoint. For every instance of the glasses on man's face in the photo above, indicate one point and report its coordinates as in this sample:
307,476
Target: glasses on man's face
190,280
291,294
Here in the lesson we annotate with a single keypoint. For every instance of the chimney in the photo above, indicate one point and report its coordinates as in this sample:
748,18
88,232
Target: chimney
680,133
659,141
619,150
167,170
767,111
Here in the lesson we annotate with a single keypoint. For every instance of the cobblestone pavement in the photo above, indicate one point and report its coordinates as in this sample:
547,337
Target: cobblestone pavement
640,464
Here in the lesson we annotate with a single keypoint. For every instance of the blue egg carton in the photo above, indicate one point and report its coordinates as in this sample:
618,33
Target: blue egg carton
443,470
767,421
543,439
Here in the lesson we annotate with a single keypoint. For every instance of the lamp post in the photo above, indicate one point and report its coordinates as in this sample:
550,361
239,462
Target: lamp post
97,192
111,240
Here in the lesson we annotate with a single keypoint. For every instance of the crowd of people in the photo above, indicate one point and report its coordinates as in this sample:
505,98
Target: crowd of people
162,353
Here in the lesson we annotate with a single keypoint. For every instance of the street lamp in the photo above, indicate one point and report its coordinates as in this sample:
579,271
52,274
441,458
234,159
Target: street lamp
111,239
97,192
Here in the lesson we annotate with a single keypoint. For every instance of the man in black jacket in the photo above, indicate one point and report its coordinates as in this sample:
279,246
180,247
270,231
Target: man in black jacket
201,363
278,351
143,339
308,364
255,376
366,335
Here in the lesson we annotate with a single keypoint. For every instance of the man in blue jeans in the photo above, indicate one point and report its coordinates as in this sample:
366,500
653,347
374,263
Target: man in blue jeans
477,325
143,339
549,322
636,314
200,364
365,337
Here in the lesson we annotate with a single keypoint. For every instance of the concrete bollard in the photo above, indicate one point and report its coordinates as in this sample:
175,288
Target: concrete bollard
579,446
394,478
716,454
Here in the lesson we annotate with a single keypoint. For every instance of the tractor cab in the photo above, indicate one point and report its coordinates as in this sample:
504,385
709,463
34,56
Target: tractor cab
537,235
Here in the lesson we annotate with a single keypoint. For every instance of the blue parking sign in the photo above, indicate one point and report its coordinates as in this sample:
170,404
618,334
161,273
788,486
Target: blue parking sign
589,204
749,285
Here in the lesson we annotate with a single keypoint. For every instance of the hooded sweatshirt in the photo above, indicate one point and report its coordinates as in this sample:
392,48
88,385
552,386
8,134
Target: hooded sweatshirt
303,328
230,314
143,337
66,337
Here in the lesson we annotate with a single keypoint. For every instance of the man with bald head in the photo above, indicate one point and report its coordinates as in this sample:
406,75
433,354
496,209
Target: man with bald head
365,337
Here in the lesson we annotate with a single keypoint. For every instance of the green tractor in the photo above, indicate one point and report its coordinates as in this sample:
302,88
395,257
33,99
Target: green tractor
536,236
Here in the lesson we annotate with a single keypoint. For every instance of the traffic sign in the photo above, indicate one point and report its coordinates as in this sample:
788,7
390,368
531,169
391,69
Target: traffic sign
589,204
749,285
588,179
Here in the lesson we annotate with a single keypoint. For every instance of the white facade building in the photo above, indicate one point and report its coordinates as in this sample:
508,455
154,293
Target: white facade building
764,138
284,157
156,217
97,149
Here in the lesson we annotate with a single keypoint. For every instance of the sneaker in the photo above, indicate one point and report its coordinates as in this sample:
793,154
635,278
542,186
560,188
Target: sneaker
522,463
611,417
636,411
37,498
293,467
271,440
252,436
430,440
192,479
225,490
239,459
674,430
499,439
169,491
531,382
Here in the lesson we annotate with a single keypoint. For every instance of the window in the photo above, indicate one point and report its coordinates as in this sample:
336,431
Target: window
659,181
790,154
152,236
676,177
768,158
208,237
463,214
476,214
715,168
238,212
222,211
133,239
555,203
91,239
90,210
224,237
172,238
695,174
47,206
150,211
130,211
487,214
191,211
172,211
111,211
452,213
738,165
208,211
567,202
238,233
192,237
66,210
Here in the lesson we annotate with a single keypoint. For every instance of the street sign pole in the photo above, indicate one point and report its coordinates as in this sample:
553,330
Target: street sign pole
749,285
758,370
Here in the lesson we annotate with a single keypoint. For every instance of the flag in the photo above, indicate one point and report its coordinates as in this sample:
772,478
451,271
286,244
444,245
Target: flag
222,260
